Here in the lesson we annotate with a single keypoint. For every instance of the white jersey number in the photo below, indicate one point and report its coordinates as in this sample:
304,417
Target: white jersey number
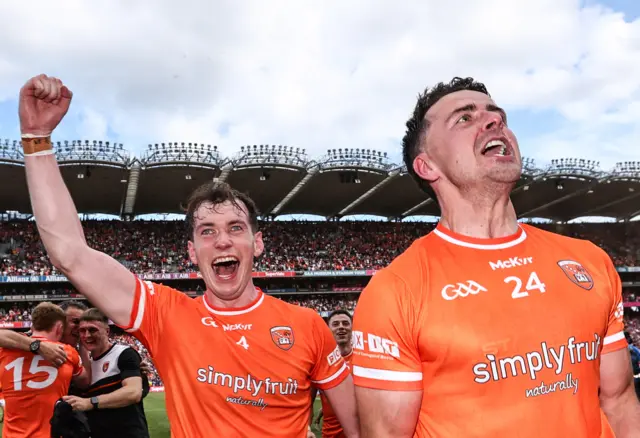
243,343
17,367
533,283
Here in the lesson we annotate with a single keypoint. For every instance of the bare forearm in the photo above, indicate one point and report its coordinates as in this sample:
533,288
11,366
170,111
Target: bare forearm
124,396
55,213
624,415
14,341
83,380
343,401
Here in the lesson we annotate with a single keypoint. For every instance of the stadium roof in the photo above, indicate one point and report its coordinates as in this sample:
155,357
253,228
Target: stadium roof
105,178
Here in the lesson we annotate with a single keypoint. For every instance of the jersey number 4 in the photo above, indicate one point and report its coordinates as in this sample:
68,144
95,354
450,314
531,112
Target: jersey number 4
533,283
18,366
243,343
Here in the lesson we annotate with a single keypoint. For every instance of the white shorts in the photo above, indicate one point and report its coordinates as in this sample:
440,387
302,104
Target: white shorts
1,402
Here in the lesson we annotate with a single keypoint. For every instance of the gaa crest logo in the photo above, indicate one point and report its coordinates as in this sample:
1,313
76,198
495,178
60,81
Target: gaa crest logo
105,367
577,273
282,336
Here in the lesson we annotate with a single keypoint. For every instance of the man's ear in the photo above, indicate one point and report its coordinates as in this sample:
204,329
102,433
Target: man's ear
258,244
424,168
192,253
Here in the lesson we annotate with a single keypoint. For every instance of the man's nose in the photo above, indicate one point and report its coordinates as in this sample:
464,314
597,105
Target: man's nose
223,241
492,120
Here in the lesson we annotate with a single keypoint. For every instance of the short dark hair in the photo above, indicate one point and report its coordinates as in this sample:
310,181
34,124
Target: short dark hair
94,315
218,193
417,124
46,315
339,312
74,304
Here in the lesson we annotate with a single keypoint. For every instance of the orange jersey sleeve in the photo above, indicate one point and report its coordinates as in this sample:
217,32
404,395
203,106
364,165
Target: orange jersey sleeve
152,308
330,368
74,360
331,427
385,351
614,339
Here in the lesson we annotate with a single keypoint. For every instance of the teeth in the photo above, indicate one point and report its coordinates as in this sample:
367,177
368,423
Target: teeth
493,143
225,259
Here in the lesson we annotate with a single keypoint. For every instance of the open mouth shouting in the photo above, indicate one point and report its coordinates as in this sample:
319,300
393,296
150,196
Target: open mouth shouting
497,147
226,267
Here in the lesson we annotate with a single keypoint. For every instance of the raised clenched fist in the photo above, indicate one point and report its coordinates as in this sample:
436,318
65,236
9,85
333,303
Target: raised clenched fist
44,101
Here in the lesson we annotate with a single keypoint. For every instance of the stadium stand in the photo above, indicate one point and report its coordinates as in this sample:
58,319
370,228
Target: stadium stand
159,246
322,265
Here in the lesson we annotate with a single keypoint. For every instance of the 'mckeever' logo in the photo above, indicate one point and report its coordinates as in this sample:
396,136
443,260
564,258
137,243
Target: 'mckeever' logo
511,262
461,290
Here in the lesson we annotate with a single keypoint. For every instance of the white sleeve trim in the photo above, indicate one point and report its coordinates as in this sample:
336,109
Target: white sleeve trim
332,377
393,376
613,338
141,302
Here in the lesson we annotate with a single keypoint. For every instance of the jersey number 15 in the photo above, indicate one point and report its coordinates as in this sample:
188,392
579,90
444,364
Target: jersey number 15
18,367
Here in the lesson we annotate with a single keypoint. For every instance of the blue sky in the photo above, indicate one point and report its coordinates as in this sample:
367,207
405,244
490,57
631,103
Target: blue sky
330,76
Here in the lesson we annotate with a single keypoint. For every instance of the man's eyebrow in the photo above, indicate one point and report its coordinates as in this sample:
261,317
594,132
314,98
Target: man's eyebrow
204,224
463,109
472,107
497,109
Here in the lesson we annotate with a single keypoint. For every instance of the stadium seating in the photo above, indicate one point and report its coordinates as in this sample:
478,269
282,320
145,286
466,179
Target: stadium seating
160,247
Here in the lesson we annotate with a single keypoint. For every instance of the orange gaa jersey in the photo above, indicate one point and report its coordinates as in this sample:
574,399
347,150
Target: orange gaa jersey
502,336
331,427
31,387
243,372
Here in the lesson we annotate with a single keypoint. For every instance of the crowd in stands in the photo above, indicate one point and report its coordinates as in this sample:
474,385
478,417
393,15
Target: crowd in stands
323,303
16,312
21,311
127,339
160,246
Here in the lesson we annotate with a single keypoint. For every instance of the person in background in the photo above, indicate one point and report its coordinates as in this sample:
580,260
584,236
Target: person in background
634,352
32,386
339,321
114,407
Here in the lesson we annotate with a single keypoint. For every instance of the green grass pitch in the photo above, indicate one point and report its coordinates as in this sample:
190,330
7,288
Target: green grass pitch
159,424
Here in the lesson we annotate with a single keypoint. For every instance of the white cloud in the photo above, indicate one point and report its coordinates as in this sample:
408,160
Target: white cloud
328,74
92,124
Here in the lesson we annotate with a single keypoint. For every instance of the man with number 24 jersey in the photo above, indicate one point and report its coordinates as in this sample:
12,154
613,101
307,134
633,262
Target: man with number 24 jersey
487,327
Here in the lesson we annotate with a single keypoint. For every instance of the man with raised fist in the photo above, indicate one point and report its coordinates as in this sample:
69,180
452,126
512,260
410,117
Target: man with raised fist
235,362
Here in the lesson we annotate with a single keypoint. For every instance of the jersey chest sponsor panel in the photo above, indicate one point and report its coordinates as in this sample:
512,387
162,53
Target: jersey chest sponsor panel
518,329
250,369
31,386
